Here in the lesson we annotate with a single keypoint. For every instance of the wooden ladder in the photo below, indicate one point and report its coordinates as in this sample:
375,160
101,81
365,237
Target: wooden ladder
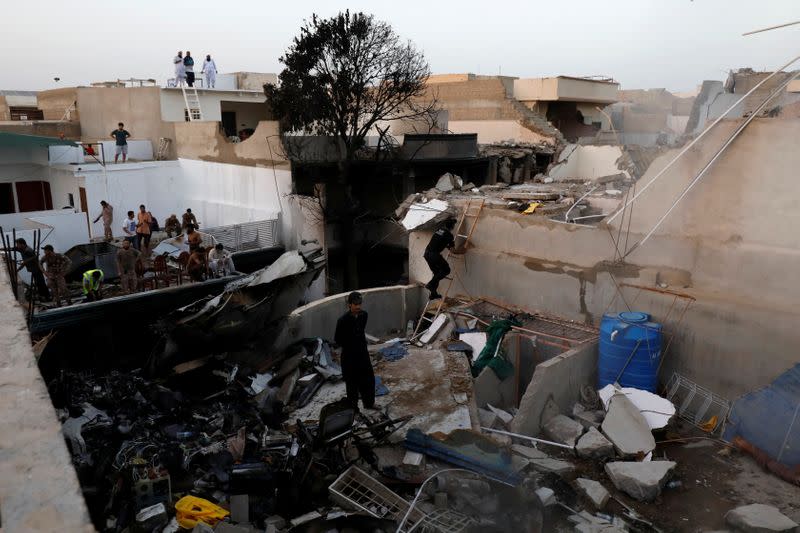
463,230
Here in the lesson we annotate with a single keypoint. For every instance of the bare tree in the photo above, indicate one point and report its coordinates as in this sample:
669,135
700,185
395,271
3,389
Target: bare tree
347,76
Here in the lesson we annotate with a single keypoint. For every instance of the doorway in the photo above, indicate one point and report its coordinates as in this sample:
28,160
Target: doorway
7,204
229,123
84,204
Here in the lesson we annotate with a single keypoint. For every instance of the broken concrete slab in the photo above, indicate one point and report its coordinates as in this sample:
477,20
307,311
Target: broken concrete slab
657,411
431,333
549,411
563,429
594,491
556,466
626,428
642,481
504,416
528,452
488,419
589,419
594,445
759,518
546,496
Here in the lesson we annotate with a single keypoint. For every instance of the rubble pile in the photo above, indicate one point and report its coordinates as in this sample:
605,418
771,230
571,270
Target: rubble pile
211,429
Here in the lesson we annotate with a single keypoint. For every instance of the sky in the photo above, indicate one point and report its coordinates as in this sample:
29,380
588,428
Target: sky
674,44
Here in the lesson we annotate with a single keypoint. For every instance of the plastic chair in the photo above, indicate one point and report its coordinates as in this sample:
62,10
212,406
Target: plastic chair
143,281
183,261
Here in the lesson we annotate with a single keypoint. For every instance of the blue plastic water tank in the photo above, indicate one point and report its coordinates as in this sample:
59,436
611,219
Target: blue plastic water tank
629,336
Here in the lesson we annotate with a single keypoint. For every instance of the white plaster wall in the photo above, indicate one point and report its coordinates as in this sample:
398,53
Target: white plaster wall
588,162
173,105
495,131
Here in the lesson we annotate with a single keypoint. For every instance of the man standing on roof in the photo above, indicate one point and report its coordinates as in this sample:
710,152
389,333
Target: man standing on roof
220,261
188,64
172,226
92,280
31,264
57,267
442,238
121,135
180,70
357,370
210,70
107,214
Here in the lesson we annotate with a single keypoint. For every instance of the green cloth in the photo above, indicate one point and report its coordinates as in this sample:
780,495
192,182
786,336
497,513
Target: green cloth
494,335
19,140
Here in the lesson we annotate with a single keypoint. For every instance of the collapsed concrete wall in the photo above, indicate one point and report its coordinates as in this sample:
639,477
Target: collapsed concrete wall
587,162
732,244
203,140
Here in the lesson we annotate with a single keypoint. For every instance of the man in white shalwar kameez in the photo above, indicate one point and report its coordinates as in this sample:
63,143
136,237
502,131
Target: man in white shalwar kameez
210,70
180,70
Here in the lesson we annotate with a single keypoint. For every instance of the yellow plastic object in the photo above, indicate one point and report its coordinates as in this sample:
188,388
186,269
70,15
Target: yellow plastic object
709,425
531,208
190,510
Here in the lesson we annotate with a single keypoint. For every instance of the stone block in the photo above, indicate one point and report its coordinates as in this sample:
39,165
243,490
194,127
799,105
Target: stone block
563,429
759,518
594,445
642,481
546,496
594,491
626,428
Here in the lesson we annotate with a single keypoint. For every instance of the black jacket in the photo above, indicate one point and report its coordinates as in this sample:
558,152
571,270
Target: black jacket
351,334
442,238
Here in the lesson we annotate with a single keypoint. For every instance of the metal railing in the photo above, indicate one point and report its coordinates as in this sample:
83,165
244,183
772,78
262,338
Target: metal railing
247,236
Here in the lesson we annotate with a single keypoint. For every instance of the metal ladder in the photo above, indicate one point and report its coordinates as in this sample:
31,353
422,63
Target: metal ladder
464,231
192,101
163,146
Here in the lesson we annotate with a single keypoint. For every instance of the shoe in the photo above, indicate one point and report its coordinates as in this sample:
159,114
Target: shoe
435,296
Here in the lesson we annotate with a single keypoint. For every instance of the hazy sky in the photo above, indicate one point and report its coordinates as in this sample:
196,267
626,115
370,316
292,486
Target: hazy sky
642,43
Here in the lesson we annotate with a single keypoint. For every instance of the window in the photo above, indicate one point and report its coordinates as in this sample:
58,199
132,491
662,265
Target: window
25,113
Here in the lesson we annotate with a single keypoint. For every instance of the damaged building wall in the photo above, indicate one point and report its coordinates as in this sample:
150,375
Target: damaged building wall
731,243
205,141
39,489
586,162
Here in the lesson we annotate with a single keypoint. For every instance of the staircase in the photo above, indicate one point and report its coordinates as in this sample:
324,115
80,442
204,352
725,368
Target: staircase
192,101
536,122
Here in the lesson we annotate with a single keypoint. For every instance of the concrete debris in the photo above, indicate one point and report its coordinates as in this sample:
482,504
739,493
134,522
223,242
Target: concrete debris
656,410
642,481
477,340
549,411
440,500
626,428
594,445
594,491
421,214
505,417
590,419
759,518
528,452
430,334
563,429
556,466
585,522
546,496
448,182
488,419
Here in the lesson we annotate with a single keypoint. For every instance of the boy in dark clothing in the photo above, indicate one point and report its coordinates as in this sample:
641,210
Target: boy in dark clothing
120,135
442,238
356,364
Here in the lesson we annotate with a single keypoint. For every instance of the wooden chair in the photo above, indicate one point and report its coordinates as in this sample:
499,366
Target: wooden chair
142,281
183,261
162,272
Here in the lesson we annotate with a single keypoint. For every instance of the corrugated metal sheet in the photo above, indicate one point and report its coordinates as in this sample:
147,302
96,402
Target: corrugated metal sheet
769,418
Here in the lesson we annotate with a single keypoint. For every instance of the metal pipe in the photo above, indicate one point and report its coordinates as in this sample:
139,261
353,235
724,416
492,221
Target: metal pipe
566,215
696,139
772,28
702,172
532,439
